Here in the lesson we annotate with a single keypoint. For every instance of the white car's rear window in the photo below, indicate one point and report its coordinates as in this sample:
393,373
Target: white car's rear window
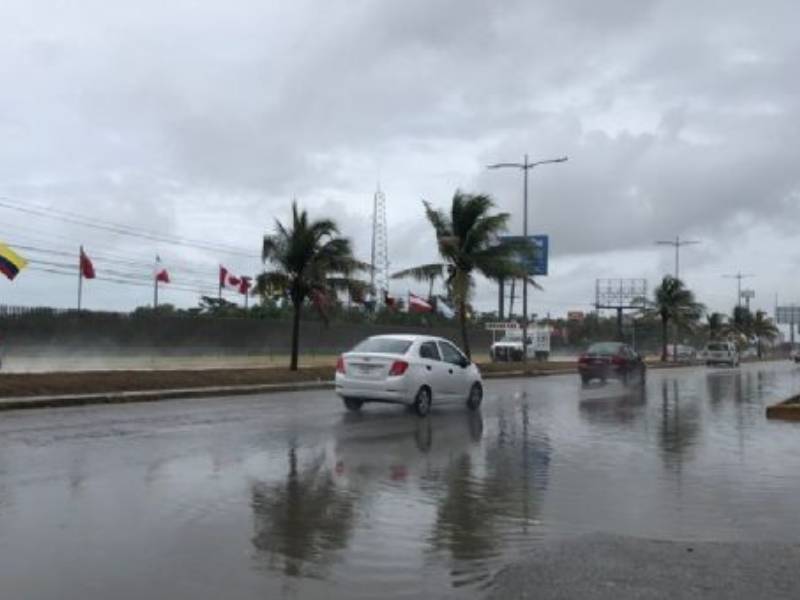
383,346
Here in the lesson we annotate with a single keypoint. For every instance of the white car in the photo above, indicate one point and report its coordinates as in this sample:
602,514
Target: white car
721,353
415,370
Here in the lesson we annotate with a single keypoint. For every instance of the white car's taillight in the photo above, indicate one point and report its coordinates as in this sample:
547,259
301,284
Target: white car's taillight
340,368
399,367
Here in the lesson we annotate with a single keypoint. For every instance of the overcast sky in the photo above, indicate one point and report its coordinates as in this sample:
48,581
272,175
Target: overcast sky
204,120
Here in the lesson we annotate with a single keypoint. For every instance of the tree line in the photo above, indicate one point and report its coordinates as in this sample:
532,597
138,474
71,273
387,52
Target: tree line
310,267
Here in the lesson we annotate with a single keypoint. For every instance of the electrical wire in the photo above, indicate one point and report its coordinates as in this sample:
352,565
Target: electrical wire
119,229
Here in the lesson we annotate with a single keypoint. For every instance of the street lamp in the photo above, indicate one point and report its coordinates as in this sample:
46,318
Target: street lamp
738,277
677,243
525,166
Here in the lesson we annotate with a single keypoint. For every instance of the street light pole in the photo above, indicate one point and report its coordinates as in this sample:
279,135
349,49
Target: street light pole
738,277
677,243
526,166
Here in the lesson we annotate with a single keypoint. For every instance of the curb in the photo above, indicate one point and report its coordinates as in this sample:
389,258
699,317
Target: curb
33,402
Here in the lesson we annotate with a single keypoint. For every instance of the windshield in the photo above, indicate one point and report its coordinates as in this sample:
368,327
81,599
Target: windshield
383,345
605,348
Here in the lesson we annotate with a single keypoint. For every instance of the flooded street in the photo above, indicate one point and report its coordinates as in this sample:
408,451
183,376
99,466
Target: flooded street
289,496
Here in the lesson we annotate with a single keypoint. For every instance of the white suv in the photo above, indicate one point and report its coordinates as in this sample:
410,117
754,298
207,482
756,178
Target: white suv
416,370
721,353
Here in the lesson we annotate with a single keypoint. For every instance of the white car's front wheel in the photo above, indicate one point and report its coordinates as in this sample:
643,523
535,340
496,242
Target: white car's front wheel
475,397
422,402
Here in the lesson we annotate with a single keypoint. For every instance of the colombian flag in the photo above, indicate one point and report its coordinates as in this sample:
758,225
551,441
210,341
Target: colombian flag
11,263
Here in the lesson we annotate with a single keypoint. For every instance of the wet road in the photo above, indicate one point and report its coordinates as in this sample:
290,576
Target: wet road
288,496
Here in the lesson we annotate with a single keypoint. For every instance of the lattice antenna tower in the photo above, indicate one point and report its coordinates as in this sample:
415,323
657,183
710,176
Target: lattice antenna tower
379,278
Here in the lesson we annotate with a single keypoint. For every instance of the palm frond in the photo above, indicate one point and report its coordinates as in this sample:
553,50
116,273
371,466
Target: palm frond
467,210
485,230
422,272
438,219
272,283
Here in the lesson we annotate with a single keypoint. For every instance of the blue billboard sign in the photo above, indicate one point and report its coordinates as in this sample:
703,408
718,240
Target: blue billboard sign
537,262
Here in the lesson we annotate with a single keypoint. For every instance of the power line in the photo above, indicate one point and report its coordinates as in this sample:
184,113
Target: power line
176,266
75,219
121,281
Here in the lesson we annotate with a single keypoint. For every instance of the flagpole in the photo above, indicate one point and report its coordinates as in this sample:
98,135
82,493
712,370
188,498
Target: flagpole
80,277
155,286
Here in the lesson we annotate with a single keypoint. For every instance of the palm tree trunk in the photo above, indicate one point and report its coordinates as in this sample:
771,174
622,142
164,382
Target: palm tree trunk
462,313
664,338
295,336
758,346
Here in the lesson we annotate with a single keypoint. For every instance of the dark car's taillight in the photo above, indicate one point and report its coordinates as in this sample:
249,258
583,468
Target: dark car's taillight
340,368
399,367
583,358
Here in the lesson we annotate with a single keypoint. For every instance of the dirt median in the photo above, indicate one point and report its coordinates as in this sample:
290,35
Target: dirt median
92,382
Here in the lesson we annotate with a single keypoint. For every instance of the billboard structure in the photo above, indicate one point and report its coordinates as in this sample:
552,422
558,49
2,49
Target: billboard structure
620,295
788,315
535,264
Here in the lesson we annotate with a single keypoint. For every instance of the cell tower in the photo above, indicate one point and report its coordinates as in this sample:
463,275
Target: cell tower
379,279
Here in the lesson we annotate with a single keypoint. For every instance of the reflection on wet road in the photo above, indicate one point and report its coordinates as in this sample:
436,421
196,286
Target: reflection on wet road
291,497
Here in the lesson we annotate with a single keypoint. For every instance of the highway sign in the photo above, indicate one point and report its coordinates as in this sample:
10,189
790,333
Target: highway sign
787,315
537,263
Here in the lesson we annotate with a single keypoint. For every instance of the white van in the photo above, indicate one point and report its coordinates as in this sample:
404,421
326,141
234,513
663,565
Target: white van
721,353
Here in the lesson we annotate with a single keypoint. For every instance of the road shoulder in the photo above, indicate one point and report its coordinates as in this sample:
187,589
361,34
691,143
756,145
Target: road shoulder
606,567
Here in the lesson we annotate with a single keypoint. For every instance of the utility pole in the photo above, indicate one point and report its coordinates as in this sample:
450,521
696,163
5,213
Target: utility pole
738,277
677,243
525,166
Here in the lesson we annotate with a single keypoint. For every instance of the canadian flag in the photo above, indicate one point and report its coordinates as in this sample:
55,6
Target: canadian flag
87,268
226,279
418,305
245,285
162,275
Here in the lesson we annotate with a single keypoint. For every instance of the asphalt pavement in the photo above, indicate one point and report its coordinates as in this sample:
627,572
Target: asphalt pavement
550,491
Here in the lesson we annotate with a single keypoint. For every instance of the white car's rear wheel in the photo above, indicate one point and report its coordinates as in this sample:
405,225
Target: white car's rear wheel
353,404
475,397
422,402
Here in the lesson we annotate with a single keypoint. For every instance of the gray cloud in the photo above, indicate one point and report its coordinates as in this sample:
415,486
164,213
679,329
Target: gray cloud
205,121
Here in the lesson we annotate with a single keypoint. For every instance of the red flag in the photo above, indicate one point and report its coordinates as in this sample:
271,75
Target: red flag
223,276
245,285
87,268
418,305
234,281
161,273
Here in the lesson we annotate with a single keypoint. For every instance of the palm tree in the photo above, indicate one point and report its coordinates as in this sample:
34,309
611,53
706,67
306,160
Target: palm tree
308,261
467,240
675,304
763,328
715,323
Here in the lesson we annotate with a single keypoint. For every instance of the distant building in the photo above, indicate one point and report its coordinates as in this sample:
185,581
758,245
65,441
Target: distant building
576,315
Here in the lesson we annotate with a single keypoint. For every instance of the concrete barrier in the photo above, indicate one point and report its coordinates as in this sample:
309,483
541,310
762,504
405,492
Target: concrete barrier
788,410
